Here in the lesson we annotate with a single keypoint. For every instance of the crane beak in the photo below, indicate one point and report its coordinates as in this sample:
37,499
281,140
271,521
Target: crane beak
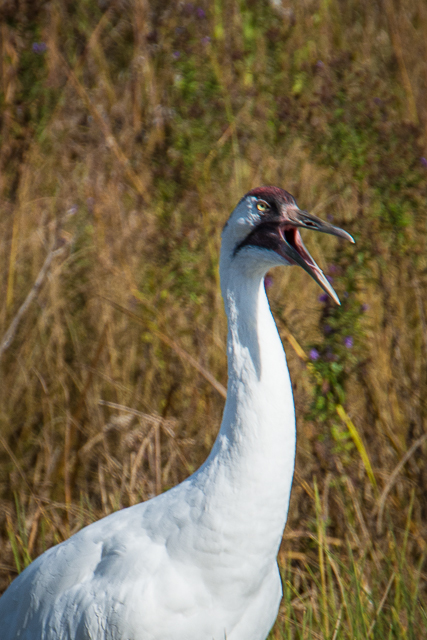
292,248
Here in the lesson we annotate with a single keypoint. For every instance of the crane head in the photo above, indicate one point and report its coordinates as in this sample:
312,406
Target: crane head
269,219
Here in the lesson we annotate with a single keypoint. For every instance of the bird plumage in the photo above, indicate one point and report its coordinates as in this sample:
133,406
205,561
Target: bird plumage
199,561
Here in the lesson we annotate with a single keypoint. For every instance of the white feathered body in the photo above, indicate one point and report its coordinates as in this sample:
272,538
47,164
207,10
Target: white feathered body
199,561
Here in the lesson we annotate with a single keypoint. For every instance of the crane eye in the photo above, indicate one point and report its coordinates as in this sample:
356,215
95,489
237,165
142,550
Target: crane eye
262,206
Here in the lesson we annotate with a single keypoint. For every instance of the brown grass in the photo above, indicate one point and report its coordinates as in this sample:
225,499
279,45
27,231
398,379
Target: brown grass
112,373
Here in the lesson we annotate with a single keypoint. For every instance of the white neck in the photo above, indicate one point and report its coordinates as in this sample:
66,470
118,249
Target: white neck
252,462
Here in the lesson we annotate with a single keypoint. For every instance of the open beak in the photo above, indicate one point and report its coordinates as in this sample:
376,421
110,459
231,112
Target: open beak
291,246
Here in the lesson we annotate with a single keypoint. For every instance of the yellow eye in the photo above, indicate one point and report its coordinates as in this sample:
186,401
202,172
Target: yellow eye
262,206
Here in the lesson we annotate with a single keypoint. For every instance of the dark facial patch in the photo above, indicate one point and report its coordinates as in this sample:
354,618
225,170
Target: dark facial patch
263,236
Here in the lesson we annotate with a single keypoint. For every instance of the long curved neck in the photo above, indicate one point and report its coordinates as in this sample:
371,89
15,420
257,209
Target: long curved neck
259,420
252,462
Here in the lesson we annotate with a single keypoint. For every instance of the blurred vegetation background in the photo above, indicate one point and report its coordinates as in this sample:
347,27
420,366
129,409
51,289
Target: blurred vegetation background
129,130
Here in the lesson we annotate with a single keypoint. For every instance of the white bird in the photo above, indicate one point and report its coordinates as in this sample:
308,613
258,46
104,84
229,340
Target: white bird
197,562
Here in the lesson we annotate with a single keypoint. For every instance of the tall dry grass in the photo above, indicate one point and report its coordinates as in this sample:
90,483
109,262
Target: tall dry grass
129,130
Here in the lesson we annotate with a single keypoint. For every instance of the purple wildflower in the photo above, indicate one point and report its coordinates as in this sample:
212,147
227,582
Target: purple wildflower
329,279
333,268
323,297
205,40
200,13
176,54
348,342
314,354
39,47
320,64
268,281
327,328
423,161
364,308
